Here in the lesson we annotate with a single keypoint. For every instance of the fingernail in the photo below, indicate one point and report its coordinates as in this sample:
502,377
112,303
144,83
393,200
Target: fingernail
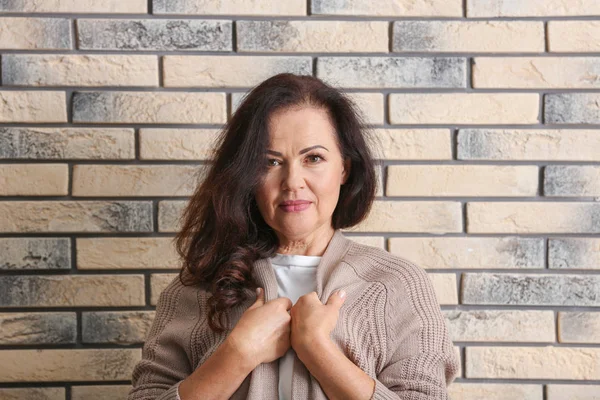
258,291
342,293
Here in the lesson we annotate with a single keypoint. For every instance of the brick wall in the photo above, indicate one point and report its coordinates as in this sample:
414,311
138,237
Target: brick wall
488,115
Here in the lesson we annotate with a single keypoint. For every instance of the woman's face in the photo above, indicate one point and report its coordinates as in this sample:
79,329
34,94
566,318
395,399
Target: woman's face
304,164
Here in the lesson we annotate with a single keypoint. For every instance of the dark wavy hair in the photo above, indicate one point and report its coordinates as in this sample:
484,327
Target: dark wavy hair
222,231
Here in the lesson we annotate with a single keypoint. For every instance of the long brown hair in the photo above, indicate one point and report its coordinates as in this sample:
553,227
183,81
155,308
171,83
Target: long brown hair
222,231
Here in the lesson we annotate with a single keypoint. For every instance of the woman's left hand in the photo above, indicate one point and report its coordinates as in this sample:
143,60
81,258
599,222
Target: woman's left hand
312,320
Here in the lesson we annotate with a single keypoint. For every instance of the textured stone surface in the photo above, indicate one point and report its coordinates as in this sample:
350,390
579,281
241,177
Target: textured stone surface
573,392
158,283
533,217
469,36
146,107
573,36
229,71
495,391
104,392
38,328
579,327
464,108
228,7
130,180
393,72
571,180
169,213
313,36
471,252
531,289
444,286
67,143
75,216
411,216
154,34
119,327
426,8
71,290
79,70
531,144
35,33
412,144
572,108
70,365
35,253
461,180
177,144
575,253
533,363
32,106
531,8
33,394
375,241
34,179
501,326
126,253
75,6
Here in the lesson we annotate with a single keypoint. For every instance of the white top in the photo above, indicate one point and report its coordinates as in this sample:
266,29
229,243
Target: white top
296,276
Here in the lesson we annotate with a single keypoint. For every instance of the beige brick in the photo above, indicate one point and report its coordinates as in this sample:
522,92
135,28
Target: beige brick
458,353
412,216
72,290
169,213
104,392
573,392
375,241
529,145
574,36
69,365
67,143
75,216
495,391
412,144
464,108
445,287
461,180
501,326
129,180
379,178
531,8
313,36
34,328
426,8
229,71
158,283
35,34
79,70
471,252
229,7
571,180
33,394
579,327
469,36
536,72
533,363
177,144
76,6
532,217
149,107
575,253
34,179
32,106
126,253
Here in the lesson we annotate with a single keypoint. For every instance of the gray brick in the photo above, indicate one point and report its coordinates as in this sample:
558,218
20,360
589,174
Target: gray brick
560,180
228,7
74,6
575,253
531,289
572,108
423,8
579,327
155,34
67,143
35,33
38,328
35,253
393,72
49,393
126,327
169,214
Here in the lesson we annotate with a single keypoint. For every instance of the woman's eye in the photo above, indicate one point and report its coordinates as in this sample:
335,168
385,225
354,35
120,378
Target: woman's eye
312,157
270,162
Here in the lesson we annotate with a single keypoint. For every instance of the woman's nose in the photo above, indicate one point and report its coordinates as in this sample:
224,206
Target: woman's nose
293,179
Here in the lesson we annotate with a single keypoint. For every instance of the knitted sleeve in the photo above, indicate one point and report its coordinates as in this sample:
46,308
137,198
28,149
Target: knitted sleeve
420,359
164,362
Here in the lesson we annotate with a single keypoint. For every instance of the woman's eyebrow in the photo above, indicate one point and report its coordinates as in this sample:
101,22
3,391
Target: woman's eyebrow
276,153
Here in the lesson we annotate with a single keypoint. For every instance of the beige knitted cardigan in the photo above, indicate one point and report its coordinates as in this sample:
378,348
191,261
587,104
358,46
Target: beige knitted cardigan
390,325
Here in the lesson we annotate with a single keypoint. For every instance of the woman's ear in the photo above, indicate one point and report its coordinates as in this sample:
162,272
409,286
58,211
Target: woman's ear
346,170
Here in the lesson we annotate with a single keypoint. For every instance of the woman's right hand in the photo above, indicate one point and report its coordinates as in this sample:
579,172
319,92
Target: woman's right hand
263,332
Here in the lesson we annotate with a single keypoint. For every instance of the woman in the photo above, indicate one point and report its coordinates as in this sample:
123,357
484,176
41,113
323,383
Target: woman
331,318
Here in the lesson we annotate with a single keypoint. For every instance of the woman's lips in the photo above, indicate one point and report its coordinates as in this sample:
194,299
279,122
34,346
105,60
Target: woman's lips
295,207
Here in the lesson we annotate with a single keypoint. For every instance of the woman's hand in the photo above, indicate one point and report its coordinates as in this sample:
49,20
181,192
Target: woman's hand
263,332
313,321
